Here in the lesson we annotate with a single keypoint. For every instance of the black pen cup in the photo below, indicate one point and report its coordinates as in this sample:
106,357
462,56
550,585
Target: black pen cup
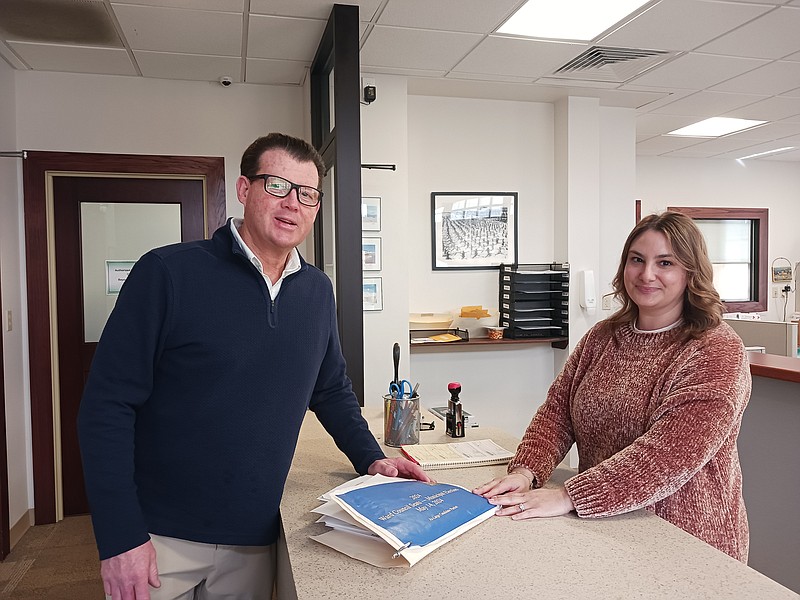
400,421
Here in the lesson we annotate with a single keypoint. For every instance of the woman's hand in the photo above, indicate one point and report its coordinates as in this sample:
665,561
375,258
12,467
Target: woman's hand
516,481
543,502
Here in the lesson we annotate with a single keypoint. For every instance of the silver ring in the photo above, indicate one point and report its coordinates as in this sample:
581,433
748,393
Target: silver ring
521,507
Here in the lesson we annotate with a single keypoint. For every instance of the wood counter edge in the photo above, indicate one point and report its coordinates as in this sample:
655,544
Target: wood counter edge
784,368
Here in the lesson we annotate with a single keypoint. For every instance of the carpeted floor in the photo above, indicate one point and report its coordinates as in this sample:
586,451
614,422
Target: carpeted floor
56,561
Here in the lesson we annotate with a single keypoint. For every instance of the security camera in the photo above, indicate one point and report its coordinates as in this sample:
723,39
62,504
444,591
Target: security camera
368,89
225,81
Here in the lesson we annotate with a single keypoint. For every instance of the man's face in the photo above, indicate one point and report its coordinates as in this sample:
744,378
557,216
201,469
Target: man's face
276,225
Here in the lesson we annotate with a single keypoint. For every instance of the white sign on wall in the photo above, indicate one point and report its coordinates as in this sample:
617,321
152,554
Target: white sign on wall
116,274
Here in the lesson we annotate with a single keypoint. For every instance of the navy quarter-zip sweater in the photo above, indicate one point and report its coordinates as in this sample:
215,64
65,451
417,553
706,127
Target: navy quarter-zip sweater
192,409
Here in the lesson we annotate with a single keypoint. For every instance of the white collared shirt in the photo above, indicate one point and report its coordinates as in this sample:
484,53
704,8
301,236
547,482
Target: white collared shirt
292,263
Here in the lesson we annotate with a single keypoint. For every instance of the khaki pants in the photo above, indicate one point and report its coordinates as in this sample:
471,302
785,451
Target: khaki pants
197,571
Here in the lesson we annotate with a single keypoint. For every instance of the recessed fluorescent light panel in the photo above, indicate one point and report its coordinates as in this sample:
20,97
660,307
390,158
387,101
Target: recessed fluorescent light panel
757,154
568,19
715,127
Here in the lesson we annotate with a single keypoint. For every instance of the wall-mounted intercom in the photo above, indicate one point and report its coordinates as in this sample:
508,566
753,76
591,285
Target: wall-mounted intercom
586,290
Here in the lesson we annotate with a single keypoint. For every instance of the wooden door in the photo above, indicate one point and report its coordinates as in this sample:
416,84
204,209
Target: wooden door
40,172
77,340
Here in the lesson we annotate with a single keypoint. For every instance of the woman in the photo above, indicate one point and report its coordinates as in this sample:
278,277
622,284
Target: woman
653,397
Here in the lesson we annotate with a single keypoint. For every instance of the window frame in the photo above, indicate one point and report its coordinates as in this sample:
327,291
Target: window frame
760,216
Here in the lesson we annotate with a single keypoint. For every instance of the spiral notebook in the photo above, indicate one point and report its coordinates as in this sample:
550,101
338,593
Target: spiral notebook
475,453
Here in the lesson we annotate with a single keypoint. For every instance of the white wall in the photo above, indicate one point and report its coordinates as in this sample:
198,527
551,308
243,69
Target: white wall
384,140
15,352
458,144
662,182
97,113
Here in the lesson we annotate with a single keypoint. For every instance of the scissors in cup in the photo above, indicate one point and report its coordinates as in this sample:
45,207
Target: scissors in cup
401,389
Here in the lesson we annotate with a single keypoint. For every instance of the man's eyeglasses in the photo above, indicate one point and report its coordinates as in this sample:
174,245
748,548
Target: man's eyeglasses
280,187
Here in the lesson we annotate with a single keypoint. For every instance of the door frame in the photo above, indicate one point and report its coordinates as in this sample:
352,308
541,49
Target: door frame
5,527
341,148
38,168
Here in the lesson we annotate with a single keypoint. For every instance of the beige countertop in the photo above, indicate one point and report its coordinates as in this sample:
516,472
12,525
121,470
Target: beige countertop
637,555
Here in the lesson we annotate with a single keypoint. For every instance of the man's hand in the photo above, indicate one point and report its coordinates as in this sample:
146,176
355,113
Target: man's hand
126,576
398,467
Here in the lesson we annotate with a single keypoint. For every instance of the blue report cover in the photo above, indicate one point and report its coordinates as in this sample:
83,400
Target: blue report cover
415,512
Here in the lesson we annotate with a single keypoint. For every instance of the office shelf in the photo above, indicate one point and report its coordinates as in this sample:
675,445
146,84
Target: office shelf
534,301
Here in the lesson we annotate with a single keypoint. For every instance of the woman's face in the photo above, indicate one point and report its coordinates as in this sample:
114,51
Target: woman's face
654,280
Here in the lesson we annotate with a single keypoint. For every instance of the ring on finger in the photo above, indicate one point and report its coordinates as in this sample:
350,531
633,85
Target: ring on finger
521,506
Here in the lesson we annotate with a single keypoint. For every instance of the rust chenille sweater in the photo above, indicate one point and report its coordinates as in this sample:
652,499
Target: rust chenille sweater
655,420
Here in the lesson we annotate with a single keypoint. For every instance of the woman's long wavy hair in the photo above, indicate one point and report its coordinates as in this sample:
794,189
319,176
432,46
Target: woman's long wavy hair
702,307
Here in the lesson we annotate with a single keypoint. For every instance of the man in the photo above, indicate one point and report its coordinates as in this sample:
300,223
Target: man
198,388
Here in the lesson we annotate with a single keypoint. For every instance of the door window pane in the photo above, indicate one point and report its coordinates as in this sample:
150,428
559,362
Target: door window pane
114,235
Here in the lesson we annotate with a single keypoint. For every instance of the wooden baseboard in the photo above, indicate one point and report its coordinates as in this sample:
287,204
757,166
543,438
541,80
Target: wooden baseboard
20,527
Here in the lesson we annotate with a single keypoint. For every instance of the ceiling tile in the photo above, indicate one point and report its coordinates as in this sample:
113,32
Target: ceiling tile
488,77
699,22
215,5
766,2
416,48
707,103
476,16
619,98
407,72
667,96
276,72
518,57
313,9
194,67
729,143
770,109
656,124
754,149
792,156
75,59
774,78
12,58
690,152
696,71
664,143
285,38
774,35
461,88
795,93
771,131
182,31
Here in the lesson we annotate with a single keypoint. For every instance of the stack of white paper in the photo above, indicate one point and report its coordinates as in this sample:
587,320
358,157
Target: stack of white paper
383,520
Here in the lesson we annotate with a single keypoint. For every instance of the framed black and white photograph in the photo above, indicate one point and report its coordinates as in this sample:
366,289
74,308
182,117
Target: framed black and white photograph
371,254
373,293
370,214
473,230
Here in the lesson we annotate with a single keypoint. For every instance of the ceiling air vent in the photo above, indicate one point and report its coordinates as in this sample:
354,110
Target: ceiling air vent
617,65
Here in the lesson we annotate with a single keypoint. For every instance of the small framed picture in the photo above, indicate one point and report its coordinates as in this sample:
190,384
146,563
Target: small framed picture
371,254
782,273
373,293
473,230
370,214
